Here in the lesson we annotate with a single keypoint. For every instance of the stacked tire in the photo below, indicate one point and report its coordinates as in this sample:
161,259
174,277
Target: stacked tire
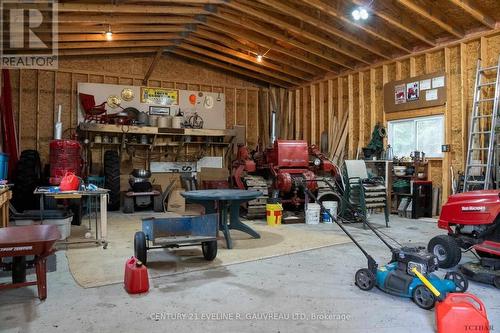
28,177
112,178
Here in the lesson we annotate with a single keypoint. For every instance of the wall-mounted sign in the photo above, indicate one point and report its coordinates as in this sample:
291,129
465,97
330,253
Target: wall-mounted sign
412,91
159,96
400,94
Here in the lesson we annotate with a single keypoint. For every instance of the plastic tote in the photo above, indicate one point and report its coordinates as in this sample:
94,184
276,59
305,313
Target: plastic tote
4,166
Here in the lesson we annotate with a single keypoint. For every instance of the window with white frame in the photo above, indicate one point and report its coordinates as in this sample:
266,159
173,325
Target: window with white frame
424,134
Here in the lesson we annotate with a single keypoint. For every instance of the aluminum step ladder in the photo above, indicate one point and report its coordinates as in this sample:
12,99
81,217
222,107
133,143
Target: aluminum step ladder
480,169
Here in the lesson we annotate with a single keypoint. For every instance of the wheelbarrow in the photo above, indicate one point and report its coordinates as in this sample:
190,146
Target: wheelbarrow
19,242
159,233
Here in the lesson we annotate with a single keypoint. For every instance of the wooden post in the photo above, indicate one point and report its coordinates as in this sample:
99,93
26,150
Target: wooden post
362,113
298,121
313,114
373,98
350,91
448,128
329,95
321,110
463,101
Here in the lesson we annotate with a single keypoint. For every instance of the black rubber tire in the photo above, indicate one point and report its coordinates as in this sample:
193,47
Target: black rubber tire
460,281
128,205
364,279
446,250
140,250
423,297
112,178
18,269
28,176
158,203
209,250
496,282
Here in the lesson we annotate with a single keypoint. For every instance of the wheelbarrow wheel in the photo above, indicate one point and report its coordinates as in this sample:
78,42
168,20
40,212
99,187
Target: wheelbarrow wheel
209,250
140,250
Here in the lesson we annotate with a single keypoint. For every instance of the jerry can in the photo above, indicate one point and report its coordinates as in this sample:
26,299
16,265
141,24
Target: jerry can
136,277
461,312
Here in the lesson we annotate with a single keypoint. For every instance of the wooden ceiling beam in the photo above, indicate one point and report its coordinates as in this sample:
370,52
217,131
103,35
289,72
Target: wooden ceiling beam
301,32
288,71
255,49
132,28
432,16
221,57
113,44
128,9
152,66
304,17
223,26
102,51
377,32
123,19
230,68
116,37
469,7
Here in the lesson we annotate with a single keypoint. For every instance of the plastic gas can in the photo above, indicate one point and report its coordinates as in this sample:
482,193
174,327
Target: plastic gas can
461,313
136,279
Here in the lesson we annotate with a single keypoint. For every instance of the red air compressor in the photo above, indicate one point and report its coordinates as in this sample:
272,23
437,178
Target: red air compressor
64,157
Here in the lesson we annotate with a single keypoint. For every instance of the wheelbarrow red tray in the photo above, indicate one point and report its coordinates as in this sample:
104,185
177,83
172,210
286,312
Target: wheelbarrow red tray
28,240
33,240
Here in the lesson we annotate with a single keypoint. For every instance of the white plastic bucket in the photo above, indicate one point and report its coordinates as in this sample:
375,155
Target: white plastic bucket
330,206
313,213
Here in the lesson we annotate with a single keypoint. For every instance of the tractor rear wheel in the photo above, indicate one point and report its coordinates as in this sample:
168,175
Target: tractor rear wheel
446,249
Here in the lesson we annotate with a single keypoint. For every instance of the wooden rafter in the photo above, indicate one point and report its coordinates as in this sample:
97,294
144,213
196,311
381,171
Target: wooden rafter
378,32
221,57
289,10
123,19
153,64
230,68
314,38
401,20
129,9
264,42
116,37
113,44
130,28
225,50
471,8
432,15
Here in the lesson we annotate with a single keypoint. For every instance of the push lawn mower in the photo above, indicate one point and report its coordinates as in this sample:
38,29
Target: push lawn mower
472,220
398,276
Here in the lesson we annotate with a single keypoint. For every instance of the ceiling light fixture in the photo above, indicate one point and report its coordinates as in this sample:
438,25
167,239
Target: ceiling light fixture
360,14
259,58
109,34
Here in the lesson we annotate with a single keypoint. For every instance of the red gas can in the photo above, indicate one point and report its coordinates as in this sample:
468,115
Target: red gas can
461,313
136,277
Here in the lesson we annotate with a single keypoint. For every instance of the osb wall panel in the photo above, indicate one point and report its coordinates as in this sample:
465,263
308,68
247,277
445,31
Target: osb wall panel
361,95
37,93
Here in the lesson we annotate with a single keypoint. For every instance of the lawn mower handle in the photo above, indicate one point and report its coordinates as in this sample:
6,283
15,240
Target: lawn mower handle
372,264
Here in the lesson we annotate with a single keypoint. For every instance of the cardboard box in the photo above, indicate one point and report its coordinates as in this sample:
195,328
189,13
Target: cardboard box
213,174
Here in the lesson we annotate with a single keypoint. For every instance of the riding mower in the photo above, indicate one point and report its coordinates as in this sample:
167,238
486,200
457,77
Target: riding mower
472,220
398,277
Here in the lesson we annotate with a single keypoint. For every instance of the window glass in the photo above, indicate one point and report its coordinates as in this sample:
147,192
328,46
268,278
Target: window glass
424,134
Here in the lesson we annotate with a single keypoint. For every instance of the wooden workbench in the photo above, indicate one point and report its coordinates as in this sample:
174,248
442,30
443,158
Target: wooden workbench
5,196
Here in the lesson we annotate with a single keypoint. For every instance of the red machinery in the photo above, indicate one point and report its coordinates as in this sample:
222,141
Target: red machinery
287,164
472,220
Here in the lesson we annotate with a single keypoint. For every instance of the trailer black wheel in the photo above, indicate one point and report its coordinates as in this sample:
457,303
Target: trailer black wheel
364,279
112,178
19,269
209,250
128,205
446,249
423,297
496,282
140,250
460,281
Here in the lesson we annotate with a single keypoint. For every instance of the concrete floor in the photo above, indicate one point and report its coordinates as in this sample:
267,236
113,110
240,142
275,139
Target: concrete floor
282,294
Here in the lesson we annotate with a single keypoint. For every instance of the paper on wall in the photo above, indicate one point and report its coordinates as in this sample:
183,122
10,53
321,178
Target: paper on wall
438,82
431,95
425,84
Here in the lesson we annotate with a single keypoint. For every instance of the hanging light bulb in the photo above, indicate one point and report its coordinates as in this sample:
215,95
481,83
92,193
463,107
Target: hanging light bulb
363,13
356,14
109,34
259,58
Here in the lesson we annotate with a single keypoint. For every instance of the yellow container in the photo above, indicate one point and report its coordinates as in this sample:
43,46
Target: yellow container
274,213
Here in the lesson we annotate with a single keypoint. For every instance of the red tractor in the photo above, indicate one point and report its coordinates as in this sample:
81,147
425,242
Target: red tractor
472,220
281,168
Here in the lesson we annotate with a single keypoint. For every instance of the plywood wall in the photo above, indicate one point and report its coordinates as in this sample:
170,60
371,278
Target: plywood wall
37,93
360,94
